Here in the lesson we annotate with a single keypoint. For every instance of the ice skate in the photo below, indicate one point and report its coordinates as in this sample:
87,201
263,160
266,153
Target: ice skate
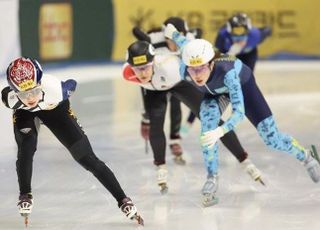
209,190
312,164
25,205
252,170
130,210
162,178
176,151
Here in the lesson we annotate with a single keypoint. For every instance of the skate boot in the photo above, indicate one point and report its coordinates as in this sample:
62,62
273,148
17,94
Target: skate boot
162,178
252,170
130,210
176,151
312,164
209,190
25,205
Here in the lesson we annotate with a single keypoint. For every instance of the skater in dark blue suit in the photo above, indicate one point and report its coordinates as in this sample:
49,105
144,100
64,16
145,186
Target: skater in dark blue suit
239,38
227,75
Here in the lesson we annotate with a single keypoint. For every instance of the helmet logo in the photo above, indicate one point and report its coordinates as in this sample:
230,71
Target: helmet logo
22,74
140,59
195,61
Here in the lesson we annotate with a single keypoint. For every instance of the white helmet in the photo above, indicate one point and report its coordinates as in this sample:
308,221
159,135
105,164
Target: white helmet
197,52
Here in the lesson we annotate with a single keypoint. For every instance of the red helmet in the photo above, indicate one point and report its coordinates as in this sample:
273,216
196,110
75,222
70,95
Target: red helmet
24,74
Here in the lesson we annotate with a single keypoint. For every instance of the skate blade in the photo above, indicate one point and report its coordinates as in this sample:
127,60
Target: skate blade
163,188
208,201
314,153
139,219
261,181
26,219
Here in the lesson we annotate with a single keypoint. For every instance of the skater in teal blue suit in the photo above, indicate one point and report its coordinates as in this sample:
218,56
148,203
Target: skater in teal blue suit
228,76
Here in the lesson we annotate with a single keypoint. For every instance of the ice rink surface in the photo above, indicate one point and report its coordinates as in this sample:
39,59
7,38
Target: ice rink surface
68,197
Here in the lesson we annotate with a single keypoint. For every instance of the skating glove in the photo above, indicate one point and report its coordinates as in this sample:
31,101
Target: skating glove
145,129
209,138
169,30
5,94
236,48
140,35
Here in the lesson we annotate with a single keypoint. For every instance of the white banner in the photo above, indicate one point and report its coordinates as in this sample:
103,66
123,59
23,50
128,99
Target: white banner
9,33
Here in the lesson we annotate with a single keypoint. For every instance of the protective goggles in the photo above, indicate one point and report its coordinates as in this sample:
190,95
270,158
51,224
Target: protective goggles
29,93
239,30
142,67
194,70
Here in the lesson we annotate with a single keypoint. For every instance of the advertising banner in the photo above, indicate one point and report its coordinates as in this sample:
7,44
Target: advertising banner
55,27
66,30
293,22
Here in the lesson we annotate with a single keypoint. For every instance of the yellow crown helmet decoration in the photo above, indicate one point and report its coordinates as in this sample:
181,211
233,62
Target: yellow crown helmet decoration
195,61
197,52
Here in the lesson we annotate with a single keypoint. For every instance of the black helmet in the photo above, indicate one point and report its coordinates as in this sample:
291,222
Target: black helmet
239,24
140,53
179,23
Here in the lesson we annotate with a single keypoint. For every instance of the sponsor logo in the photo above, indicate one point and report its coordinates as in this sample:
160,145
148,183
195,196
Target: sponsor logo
25,130
140,59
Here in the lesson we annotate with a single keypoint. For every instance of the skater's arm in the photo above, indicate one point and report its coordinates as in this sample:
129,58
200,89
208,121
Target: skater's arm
140,35
145,120
145,114
232,81
172,33
4,95
264,33
10,99
68,87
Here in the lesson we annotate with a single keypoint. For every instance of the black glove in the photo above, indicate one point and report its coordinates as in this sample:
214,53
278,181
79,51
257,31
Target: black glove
140,35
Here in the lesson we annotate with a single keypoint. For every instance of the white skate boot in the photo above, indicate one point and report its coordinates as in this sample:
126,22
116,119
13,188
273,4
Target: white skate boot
209,190
162,178
252,170
312,164
130,210
25,205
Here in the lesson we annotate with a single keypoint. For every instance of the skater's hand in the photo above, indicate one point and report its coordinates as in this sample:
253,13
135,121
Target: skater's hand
236,48
145,130
169,30
209,138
